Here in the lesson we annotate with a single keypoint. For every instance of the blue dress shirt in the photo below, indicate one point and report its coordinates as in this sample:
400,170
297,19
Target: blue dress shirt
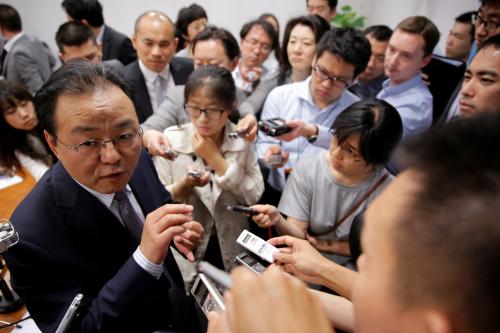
294,101
413,101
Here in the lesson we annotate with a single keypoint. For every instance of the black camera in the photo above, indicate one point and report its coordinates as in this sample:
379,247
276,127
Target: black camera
274,126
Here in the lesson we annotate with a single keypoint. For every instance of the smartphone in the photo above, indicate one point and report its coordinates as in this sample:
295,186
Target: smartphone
257,246
275,159
71,314
241,209
207,294
250,262
274,126
192,173
169,152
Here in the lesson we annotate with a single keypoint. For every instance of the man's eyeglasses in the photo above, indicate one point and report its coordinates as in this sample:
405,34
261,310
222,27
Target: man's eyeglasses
488,25
210,113
93,147
337,81
263,46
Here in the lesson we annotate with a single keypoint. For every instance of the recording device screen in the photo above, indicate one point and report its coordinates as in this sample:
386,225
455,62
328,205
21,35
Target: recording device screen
251,262
207,294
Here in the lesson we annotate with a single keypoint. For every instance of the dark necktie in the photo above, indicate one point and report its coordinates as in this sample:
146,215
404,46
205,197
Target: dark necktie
131,220
2,60
134,225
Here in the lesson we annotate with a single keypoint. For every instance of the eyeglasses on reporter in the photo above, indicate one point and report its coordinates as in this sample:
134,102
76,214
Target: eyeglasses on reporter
336,81
210,113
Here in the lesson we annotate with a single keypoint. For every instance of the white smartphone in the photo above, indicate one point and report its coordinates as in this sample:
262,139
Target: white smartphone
257,246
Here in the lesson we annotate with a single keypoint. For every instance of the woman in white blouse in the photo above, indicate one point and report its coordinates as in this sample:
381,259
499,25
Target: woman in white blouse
21,142
228,168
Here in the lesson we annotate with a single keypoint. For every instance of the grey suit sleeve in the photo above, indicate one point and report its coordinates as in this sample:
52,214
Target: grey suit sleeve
253,104
168,113
28,71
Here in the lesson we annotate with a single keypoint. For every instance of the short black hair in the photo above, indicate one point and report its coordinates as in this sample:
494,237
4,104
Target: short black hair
73,33
316,23
218,79
10,19
88,10
382,33
379,125
331,3
268,28
467,19
75,78
452,223
424,27
185,16
347,43
227,39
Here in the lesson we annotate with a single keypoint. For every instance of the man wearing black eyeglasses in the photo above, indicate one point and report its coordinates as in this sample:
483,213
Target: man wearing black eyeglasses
99,222
310,107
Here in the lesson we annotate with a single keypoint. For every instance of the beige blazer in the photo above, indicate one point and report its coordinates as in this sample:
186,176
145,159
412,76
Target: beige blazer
241,184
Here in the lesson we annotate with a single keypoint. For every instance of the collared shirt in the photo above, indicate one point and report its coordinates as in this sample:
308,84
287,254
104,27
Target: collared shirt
100,36
107,200
150,79
413,101
12,41
294,101
367,89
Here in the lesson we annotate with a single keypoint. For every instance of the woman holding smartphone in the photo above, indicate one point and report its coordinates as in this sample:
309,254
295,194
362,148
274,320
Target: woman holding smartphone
211,170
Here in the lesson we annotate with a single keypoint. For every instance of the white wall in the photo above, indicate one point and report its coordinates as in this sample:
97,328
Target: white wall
42,17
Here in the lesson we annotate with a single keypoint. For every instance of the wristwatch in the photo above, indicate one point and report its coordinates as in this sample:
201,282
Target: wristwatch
312,138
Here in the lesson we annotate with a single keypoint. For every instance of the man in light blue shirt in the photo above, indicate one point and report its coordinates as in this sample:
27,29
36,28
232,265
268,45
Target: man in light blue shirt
311,106
410,49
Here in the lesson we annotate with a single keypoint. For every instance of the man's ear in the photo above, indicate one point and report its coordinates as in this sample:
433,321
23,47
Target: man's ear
134,41
176,41
426,61
51,141
234,63
61,57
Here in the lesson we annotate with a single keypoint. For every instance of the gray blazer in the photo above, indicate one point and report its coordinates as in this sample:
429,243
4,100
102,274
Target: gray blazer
171,112
29,62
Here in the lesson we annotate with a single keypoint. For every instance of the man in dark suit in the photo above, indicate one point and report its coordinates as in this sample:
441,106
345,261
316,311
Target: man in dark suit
24,59
75,40
156,71
115,45
97,223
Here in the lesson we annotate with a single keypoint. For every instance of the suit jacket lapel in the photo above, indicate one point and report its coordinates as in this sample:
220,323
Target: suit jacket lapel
106,42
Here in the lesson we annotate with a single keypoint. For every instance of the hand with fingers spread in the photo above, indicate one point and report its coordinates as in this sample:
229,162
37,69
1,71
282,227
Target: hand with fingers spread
156,143
267,217
282,304
189,239
160,228
248,126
